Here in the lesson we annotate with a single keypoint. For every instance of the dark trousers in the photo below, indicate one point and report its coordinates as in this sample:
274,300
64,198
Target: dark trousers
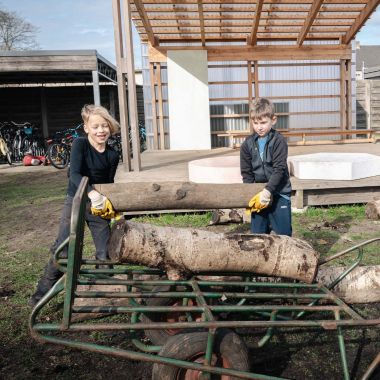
100,232
276,218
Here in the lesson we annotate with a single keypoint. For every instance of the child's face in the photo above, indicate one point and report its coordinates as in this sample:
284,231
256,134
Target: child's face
97,129
263,125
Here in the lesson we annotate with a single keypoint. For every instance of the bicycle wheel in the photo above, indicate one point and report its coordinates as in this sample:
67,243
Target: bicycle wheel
58,155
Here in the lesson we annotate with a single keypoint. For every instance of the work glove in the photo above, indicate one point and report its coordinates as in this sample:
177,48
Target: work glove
101,206
260,201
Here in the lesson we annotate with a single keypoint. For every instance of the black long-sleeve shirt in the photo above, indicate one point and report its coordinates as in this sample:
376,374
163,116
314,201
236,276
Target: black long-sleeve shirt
85,160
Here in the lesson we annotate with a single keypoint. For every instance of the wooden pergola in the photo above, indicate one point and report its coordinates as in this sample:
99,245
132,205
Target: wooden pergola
254,30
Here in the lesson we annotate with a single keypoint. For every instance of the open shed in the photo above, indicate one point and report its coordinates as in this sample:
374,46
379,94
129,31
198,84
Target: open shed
48,88
189,39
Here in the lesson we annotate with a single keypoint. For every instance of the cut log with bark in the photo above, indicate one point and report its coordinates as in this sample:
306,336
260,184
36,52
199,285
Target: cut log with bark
148,196
224,216
181,252
372,209
362,285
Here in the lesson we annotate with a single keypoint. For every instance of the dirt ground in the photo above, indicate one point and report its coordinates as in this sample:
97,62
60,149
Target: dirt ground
31,229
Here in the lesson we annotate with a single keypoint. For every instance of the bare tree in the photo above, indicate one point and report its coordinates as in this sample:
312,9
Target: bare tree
16,33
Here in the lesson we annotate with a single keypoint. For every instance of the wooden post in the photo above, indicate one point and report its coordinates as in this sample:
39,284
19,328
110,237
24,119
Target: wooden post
349,94
250,95
45,126
154,111
367,101
132,96
160,107
95,87
343,123
256,78
111,98
121,87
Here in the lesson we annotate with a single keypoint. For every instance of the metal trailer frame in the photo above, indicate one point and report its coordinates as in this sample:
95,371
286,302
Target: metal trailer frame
278,305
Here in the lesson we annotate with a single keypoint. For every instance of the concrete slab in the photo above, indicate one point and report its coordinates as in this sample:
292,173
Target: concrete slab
334,166
215,170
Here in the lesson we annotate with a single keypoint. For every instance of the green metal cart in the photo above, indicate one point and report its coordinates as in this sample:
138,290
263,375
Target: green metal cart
189,329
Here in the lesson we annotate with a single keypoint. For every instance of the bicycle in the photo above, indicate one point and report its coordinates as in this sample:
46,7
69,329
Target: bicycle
60,148
4,150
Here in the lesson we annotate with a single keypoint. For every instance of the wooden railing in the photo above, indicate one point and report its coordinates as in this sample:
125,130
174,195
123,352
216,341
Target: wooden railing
346,136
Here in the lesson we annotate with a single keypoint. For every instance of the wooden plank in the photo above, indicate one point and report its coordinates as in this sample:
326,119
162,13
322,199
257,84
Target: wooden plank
343,122
259,53
154,111
349,94
160,107
132,96
360,20
145,20
253,36
121,87
309,21
250,93
202,24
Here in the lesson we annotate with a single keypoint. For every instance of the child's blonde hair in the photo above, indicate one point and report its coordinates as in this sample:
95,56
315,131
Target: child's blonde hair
262,107
90,109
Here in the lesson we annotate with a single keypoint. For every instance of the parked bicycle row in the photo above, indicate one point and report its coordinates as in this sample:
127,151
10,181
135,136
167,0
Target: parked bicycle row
23,141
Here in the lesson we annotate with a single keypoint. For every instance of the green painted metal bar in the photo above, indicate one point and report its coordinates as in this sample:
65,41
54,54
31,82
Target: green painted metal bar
156,359
75,249
269,296
325,324
342,349
265,339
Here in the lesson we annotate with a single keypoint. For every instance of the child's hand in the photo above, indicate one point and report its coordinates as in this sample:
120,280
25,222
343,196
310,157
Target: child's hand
101,206
260,201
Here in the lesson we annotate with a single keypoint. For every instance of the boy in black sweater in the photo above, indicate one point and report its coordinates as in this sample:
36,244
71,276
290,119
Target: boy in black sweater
93,158
263,158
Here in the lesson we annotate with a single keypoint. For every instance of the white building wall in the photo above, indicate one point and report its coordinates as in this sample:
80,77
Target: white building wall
188,94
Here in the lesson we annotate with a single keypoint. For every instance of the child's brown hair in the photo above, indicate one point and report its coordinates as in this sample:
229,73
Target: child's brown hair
262,107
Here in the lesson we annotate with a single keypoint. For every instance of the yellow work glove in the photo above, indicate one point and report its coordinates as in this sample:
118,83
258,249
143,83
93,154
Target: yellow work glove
260,201
102,206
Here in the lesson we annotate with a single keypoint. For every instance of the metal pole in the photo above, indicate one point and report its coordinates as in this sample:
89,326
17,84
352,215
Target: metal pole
95,86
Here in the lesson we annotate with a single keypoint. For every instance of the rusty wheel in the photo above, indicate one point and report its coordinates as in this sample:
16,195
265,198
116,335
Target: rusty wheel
229,351
160,337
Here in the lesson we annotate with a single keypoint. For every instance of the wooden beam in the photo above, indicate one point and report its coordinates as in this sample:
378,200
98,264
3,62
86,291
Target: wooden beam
202,23
361,19
121,86
260,53
160,107
249,93
256,21
315,7
343,123
132,95
154,112
145,20
349,94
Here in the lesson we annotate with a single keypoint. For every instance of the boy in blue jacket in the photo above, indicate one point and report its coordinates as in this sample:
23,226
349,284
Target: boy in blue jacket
263,159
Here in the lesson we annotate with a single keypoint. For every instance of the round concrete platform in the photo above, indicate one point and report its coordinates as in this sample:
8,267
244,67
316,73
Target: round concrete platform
225,169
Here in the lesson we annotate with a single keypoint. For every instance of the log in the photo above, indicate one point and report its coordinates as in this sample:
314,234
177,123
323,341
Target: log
372,209
362,285
224,216
181,252
148,196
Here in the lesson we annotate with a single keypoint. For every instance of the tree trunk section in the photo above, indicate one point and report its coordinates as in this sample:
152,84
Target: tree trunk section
224,216
148,196
372,209
181,251
362,285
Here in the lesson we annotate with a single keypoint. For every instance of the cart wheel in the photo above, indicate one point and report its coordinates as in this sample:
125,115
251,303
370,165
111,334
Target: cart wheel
229,351
160,337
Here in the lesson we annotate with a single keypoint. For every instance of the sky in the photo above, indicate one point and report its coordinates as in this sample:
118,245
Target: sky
88,24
